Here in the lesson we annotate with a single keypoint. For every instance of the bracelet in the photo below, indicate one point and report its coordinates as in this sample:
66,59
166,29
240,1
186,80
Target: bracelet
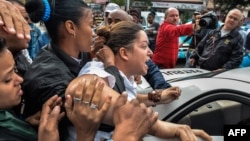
155,95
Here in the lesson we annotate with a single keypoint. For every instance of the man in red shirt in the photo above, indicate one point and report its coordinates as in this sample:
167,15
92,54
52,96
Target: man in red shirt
166,51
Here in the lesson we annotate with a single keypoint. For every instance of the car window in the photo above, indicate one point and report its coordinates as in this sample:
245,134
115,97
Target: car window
213,116
210,113
209,110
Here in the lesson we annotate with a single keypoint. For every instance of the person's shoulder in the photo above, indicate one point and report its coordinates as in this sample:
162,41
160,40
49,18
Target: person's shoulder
46,60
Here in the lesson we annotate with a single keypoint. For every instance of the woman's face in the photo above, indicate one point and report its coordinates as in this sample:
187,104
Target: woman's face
83,38
139,55
10,82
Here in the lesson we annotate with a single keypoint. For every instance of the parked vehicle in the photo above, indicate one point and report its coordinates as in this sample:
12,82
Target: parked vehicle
209,100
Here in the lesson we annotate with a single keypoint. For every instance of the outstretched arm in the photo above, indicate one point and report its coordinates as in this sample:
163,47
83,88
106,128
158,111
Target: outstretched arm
159,129
161,96
185,133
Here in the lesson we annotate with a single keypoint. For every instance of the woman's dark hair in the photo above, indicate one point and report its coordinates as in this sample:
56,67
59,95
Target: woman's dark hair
122,34
2,45
55,12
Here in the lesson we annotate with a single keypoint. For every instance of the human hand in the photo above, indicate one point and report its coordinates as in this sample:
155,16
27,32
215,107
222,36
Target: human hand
191,61
84,110
98,44
180,45
106,55
138,79
151,31
133,116
12,21
197,22
34,120
186,133
170,94
23,43
50,117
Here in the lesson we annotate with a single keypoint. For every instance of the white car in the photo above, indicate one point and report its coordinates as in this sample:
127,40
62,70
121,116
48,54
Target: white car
209,100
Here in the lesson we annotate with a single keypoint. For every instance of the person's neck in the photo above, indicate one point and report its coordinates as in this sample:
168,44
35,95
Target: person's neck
225,28
69,49
123,69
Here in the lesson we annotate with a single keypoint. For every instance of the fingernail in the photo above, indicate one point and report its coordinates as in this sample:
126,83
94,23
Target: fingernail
12,30
1,22
19,35
56,108
28,36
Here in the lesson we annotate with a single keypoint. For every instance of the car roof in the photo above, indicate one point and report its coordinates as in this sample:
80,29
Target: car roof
180,74
240,74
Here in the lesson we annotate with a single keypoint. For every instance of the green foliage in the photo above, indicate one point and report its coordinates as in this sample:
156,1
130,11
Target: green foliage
226,5
185,16
119,2
123,2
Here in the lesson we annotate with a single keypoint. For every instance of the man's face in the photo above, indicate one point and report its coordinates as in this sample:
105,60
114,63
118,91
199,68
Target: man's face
118,16
150,19
232,20
172,17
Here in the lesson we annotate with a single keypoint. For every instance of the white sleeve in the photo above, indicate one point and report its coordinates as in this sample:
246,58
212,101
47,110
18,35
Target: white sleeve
97,68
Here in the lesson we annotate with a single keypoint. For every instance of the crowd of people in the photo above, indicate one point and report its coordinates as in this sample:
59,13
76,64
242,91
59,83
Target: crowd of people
75,83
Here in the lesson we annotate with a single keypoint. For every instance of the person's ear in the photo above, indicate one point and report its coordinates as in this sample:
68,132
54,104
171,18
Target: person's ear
70,28
124,53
